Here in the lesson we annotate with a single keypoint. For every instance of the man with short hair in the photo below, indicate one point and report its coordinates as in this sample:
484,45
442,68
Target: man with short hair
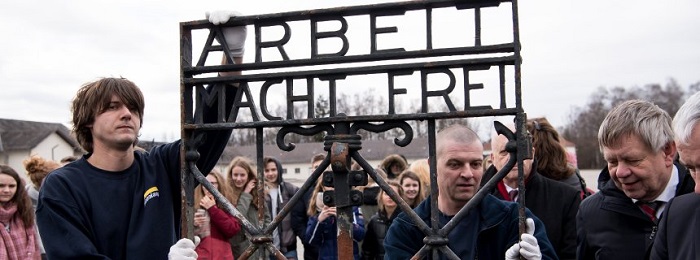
553,202
117,202
677,237
489,231
280,192
620,221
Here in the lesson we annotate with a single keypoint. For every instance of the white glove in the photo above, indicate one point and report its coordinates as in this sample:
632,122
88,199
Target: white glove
235,36
527,247
184,250
221,16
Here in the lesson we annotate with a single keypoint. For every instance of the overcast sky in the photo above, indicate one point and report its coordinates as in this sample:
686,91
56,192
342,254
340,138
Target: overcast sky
569,49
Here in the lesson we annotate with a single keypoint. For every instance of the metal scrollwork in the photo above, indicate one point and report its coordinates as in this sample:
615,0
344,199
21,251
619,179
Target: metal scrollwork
302,131
386,126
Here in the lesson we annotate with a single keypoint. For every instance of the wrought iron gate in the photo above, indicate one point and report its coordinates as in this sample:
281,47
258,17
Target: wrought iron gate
342,143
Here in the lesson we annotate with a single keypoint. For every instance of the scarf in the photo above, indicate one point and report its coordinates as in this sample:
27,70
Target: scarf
17,242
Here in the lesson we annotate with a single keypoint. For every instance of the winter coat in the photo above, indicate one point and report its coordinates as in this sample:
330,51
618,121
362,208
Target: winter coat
34,196
288,239
610,226
391,160
485,233
241,241
678,229
222,227
286,190
369,205
324,235
553,202
373,244
299,219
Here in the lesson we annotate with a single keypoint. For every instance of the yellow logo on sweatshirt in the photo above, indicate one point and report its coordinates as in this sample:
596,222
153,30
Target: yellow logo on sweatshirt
149,194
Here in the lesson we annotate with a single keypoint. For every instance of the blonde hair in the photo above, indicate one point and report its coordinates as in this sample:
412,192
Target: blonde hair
249,168
224,189
38,168
380,202
311,211
422,169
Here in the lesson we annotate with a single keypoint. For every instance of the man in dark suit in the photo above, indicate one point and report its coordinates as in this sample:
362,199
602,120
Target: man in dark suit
620,221
553,202
679,228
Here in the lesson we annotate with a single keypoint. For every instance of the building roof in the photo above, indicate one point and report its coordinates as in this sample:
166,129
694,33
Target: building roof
25,135
371,150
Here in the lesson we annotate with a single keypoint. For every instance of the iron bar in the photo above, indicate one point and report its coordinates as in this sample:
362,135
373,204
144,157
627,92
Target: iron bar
310,183
411,54
432,156
186,209
361,70
342,143
339,154
350,11
326,120
227,206
395,196
260,185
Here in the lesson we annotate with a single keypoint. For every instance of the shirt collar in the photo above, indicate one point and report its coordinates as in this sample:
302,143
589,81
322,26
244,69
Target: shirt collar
668,193
508,188
670,190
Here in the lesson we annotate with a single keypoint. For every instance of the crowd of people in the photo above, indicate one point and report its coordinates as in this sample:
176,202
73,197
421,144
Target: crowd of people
121,202
648,167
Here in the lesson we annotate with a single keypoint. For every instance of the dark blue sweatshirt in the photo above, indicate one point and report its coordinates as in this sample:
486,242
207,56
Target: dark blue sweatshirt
88,213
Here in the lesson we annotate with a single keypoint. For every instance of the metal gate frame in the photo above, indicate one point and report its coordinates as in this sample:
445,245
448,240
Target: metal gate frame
342,142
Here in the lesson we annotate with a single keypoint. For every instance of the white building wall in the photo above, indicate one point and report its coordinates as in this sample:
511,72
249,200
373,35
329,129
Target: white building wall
305,171
15,159
53,147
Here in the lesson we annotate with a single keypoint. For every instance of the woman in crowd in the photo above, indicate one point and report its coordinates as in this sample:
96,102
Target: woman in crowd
373,245
214,225
393,165
37,169
245,197
369,193
551,156
422,168
18,235
322,231
412,193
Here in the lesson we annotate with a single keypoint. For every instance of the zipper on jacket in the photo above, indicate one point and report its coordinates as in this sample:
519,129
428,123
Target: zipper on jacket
653,232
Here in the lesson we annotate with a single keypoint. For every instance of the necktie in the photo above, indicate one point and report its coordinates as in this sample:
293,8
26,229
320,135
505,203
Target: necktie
649,208
513,194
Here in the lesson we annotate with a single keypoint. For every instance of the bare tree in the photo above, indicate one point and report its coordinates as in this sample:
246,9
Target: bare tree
585,121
